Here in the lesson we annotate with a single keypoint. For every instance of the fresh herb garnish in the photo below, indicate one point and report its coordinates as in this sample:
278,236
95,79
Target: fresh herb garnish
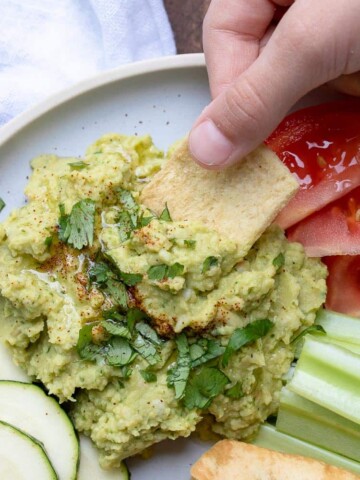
2,204
279,261
77,228
148,376
124,225
162,271
134,315
177,375
119,352
78,165
129,205
312,329
117,329
165,215
205,350
48,241
157,272
146,349
130,279
144,221
190,243
85,347
117,291
203,386
243,336
148,332
235,392
208,263
100,272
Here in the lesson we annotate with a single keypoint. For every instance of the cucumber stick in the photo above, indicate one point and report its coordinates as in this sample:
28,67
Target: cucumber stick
315,424
28,408
22,457
328,375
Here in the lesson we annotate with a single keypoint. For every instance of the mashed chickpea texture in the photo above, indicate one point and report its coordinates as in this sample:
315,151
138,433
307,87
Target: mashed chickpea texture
152,324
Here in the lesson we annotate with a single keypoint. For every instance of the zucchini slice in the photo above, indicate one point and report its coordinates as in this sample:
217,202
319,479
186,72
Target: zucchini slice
28,408
22,457
89,466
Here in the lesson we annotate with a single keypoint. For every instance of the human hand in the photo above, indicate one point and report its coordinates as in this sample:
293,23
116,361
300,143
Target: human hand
258,71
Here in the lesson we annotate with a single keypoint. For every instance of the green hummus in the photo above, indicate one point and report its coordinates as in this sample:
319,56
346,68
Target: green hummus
146,325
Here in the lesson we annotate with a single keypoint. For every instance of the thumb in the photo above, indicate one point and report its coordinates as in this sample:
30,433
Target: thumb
244,114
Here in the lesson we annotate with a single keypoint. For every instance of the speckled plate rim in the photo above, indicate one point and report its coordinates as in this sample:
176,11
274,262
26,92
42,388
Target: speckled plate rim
171,62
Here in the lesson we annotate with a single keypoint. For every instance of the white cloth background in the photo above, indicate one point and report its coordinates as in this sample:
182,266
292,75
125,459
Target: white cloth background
46,45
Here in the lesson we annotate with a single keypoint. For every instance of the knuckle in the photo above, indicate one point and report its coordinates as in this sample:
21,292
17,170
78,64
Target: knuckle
245,107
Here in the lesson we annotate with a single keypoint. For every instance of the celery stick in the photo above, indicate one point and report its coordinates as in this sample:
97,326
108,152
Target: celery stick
330,376
339,326
315,424
269,437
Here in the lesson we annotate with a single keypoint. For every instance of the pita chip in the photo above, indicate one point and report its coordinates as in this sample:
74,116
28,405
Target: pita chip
232,460
239,202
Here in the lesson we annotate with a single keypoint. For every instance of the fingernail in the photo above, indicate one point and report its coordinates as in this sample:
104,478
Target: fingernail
208,145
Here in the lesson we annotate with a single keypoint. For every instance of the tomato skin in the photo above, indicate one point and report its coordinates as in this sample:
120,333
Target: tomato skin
334,230
343,284
321,147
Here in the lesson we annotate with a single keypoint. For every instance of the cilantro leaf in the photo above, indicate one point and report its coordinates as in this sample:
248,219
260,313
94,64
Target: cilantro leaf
203,386
211,349
157,272
119,352
178,375
134,315
165,215
148,332
85,347
146,349
118,293
148,376
2,204
48,241
243,336
279,261
77,228
190,243
144,221
175,270
235,392
100,272
78,165
130,279
129,204
162,271
116,328
208,263
312,329
124,225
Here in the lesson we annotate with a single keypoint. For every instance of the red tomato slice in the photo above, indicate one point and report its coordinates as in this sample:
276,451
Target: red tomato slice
321,147
334,230
343,284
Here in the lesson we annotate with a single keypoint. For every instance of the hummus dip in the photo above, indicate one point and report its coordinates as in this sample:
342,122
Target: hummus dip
145,326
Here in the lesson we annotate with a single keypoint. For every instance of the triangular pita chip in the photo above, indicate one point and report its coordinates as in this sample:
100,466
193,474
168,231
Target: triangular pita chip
239,202
232,460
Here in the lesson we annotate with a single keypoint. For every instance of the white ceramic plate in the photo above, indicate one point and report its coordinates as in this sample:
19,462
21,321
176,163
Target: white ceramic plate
161,97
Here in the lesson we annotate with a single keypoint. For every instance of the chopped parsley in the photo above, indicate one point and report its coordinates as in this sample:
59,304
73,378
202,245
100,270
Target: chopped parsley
209,262
2,204
165,215
148,376
203,386
178,375
77,228
80,165
162,271
243,336
190,243
235,392
279,261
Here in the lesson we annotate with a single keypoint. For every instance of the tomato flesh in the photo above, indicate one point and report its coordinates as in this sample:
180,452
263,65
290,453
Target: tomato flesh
334,230
321,147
